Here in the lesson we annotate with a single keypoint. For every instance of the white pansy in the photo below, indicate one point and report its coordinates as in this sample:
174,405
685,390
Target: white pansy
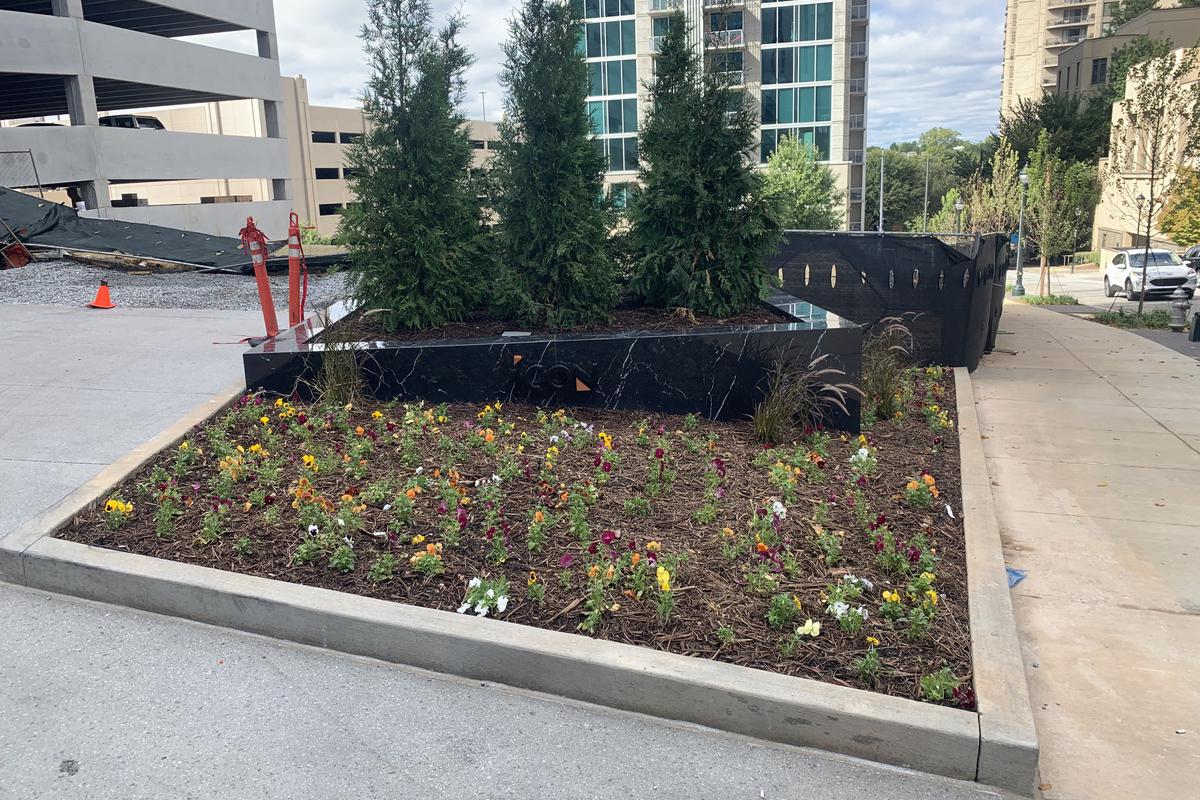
838,609
463,608
313,530
341,522
490,594
481,609
387,506
502,603
779,509
863,613
474,582
420,470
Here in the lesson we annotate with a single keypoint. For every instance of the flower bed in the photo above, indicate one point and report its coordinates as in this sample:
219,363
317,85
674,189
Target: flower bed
838,558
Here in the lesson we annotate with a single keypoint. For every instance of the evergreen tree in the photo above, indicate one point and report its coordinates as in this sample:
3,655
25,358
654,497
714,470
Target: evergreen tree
415,234
701,226
556,268
802,191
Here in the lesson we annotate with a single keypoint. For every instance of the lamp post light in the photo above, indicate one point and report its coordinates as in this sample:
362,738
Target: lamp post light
958,209
1019,286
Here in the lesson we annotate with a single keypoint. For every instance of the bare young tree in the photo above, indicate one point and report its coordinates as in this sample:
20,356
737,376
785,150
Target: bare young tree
993,203
1158,129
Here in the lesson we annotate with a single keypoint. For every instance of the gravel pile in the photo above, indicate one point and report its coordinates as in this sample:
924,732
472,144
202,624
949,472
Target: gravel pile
69,283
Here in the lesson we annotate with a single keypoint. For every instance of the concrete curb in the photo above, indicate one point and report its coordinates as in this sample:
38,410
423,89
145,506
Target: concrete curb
760,704
1008,746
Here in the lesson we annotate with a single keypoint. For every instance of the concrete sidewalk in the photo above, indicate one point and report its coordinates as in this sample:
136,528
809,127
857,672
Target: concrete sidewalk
1092,437
81,387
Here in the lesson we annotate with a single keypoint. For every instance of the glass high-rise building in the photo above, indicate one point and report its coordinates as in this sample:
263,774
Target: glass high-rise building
801,63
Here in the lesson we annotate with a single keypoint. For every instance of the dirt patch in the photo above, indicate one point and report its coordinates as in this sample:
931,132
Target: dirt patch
579,529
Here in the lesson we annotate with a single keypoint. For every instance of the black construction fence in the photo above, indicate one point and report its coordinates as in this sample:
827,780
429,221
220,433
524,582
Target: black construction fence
950,295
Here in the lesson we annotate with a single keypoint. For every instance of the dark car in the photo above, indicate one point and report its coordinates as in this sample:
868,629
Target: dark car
1192,257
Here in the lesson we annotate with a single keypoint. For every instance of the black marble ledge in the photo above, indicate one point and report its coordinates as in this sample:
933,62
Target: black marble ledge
719,372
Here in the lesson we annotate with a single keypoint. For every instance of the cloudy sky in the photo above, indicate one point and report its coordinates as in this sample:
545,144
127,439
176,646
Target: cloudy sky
933,62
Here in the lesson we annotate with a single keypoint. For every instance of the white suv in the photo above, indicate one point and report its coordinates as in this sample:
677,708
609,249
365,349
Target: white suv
1165,273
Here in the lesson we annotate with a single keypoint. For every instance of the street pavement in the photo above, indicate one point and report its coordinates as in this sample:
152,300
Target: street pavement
104,702
1093,448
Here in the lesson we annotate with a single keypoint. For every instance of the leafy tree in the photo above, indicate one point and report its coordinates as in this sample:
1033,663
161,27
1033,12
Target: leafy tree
903,187
1078,126
556,268
1056,188
1127,10
940,155
1158,127
701,225
994,202
415,235
947,219
1143,48
802,190
1180,218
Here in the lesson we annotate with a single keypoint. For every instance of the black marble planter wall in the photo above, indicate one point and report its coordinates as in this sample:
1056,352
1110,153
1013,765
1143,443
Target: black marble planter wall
719,372
946,295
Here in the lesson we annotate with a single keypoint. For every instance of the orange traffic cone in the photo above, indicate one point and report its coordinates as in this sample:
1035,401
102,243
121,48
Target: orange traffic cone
102,299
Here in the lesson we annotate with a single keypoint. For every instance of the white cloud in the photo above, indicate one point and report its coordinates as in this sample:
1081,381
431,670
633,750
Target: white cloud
933,62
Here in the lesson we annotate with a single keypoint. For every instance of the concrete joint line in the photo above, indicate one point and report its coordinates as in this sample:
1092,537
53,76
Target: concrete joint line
996,745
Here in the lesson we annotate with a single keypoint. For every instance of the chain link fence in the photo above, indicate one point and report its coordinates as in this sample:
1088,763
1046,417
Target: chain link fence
19,171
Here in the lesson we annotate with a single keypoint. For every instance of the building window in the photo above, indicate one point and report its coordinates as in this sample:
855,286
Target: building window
603,39
797,64
613,116
620,194
328,173
1099,71
817,140
725,21
350,138
324,137
807,23
478,144
598,9
612,77
621,153
329,209
801,104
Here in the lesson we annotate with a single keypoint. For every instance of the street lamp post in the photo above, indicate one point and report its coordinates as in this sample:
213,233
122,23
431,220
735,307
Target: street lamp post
1019,286
1141,202
881,160
958,209
1075,239
925,217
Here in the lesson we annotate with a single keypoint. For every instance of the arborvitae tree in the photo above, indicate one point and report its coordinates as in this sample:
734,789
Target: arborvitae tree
701,226
415,234
556,268
802,191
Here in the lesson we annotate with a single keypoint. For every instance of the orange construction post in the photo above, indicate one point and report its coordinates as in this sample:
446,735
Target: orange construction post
295,260
255,243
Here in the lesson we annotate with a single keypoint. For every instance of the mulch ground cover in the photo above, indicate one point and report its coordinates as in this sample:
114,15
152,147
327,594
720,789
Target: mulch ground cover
360,326
834,557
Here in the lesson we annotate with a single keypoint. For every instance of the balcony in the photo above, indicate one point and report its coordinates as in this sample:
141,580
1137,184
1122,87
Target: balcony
1061,3
860,12
1063,41
665,6
856,156
858,86
731,38
656,43
1069,22
857,121
734,76
858,50
722,3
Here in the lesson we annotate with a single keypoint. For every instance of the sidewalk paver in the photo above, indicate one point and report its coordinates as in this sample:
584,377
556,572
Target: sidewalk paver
1092,437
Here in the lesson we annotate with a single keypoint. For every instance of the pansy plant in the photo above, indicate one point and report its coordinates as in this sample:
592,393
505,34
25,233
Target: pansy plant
485,596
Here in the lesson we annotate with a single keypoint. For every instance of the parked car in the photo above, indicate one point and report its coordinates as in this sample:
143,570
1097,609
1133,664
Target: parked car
1165,273
132,121
1192,257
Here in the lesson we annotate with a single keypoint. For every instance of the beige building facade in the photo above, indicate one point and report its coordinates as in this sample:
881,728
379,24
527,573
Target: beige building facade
1119,221
1036,32
317,138
802,64
1084,68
